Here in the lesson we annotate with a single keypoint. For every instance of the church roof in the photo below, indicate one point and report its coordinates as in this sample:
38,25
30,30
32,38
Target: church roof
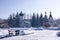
50,15
21,14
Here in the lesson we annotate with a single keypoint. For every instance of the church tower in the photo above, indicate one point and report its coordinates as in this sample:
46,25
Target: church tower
21,16
50,18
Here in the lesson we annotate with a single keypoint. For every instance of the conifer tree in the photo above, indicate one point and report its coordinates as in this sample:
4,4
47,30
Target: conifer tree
10,21
17,20
41,20
33,21
37,21
14,20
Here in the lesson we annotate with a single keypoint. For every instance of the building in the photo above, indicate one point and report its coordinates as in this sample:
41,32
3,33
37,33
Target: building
21,16
51,21
27,22
24,22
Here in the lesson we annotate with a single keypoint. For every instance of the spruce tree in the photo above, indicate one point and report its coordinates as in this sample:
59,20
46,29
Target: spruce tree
14,20
17,20
41,20
33,21
37,21
10,21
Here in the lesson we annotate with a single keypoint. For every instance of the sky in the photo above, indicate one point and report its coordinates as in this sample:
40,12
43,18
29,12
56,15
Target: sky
8,7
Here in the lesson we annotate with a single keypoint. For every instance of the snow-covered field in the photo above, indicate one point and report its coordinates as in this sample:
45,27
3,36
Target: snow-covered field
36,35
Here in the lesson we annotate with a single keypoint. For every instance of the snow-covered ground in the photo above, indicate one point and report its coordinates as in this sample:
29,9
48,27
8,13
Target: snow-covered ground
36,35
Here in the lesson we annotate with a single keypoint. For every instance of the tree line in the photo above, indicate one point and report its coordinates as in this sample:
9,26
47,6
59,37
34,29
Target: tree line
13,20
36,20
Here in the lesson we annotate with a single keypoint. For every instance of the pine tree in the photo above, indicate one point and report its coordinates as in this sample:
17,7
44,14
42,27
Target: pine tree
14,20
37,21
41,20
10,21
33,21
17,20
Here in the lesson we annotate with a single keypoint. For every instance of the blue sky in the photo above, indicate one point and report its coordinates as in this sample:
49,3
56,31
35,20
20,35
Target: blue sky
8,7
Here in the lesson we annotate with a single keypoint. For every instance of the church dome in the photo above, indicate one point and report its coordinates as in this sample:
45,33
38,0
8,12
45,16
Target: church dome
21,14
50,15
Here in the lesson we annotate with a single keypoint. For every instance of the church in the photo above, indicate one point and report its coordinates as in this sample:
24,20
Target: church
27,22
24,22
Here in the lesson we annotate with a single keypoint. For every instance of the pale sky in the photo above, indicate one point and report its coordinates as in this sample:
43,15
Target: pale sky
8,7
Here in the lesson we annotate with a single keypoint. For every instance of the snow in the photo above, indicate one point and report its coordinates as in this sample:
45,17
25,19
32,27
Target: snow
29,31
36,35
3,32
